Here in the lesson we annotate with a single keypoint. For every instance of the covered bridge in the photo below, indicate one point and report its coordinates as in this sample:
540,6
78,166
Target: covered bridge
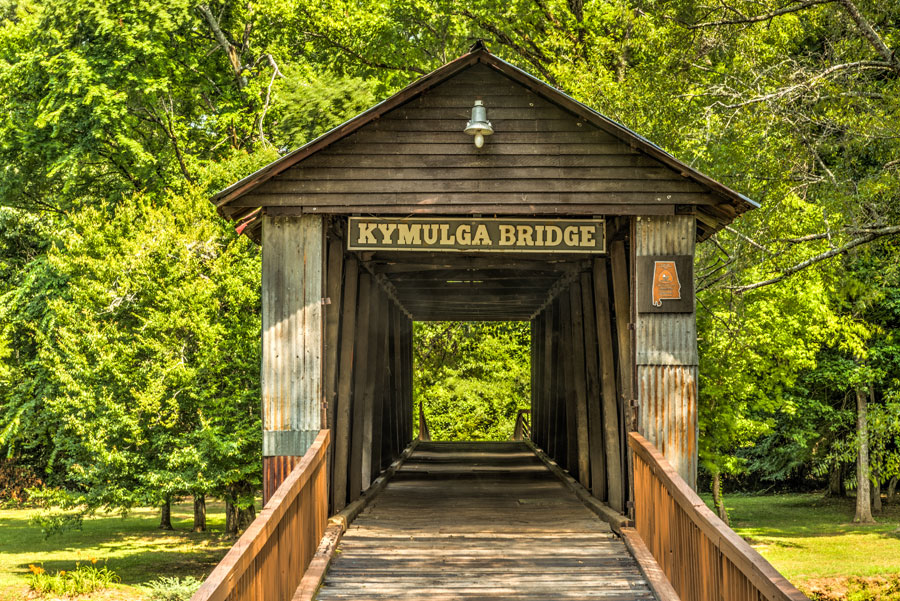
482,193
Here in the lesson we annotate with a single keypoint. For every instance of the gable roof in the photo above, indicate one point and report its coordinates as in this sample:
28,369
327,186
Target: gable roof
714,217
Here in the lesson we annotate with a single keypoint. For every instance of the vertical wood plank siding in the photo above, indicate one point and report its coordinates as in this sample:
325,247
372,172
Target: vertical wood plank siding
372,366
269,559
577,407
702,558
292,337
666,355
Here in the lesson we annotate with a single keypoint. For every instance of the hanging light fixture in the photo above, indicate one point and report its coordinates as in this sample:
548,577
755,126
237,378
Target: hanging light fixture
478,125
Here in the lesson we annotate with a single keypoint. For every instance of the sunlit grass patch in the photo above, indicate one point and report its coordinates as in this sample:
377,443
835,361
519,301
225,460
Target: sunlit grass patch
809,537
132,547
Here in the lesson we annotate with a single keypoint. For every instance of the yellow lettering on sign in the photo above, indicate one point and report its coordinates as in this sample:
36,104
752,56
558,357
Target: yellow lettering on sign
387,231
507,235
525,235
587,235
431,232
482,238
409,234
539,235
365,233
464,234
554,235
446,238
570,235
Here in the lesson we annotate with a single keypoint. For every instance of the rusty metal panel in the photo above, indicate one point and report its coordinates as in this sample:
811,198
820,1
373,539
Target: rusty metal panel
292,333
668,414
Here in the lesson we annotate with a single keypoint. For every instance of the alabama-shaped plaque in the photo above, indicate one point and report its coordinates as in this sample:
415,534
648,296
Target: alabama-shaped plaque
665,284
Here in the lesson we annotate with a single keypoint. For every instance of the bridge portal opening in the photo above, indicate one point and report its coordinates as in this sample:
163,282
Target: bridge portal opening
472,378
476,336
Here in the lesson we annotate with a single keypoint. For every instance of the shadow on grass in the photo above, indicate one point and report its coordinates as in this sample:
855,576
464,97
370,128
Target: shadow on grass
803,516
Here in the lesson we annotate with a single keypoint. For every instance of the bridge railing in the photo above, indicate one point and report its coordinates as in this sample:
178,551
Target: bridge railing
523,427
704,559
269,559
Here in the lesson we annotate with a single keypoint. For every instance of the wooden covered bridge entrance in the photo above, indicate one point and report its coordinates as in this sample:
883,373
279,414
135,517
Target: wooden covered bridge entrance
555,215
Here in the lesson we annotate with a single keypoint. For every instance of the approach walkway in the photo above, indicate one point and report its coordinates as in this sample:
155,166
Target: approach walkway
480,521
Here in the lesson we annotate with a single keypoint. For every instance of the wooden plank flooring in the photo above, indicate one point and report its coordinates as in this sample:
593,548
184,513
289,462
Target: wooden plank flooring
480,521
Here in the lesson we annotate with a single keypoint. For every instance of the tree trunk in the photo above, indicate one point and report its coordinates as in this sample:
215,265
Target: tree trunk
876,493
237,518
718,501
199,513
863,502
835,481
230,518
891,489
165,515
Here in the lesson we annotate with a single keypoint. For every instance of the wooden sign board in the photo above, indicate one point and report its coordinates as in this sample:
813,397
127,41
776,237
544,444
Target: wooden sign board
477,234
665,284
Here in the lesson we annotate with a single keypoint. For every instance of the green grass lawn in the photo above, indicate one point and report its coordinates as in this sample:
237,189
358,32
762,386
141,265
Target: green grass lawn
813,541
808,538
133,547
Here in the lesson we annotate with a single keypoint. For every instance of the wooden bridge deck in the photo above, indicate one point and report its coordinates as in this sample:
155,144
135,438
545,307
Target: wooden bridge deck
480,521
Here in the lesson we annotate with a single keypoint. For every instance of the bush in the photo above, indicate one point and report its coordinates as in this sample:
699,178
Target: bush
82,580
14,481
173,589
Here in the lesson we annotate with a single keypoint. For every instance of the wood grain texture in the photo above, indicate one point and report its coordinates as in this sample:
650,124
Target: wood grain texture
417,154
594,395
702,557
269,559
610,399
344,386
480,521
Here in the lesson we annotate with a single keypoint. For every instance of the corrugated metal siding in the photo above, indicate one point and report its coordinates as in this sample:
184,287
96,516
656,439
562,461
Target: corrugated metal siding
292,333
666,339
665,235
668,414
666,355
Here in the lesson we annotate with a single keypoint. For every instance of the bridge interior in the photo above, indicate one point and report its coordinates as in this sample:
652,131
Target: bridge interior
577,379
480,521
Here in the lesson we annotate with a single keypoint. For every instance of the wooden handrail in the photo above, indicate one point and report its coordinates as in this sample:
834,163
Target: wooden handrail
523,428
269,559
703,558
424,432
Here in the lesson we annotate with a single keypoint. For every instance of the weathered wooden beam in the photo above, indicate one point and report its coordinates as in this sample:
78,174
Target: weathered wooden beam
537,373
548,383
576,334
560,448
378,396
333,288
614,450
367,292
345,378
568,392
595,405
369,387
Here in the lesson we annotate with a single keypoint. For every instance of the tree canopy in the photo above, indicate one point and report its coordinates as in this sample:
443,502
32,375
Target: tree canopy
129,306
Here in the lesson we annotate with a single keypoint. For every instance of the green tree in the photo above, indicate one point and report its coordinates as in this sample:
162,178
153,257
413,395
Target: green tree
472,377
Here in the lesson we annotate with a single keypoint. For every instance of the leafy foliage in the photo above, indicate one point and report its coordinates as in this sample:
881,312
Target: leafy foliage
173,588
472,377
84,579
128,306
